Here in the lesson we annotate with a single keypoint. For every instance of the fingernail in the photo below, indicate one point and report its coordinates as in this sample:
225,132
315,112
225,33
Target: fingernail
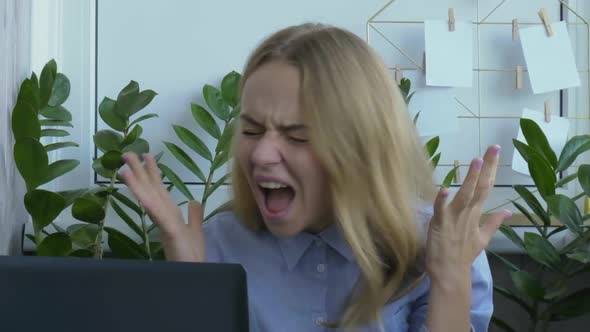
444,191
477,163
507,214
496,149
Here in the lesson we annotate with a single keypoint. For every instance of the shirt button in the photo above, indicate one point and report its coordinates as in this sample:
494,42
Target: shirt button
321,268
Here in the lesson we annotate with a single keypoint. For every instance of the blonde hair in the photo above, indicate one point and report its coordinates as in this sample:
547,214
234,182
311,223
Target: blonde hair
367,143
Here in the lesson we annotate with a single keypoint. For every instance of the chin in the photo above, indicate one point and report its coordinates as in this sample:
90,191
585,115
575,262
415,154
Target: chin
283,228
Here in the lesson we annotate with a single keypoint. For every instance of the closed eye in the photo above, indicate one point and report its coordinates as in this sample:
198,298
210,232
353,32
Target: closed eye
298,140
251,133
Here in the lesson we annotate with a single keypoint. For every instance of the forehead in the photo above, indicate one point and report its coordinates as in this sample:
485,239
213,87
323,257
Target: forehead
272,93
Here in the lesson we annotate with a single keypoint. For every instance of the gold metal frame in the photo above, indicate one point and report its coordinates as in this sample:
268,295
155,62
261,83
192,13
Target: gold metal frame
371,27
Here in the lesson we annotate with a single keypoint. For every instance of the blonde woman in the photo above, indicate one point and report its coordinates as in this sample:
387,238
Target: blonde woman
336,219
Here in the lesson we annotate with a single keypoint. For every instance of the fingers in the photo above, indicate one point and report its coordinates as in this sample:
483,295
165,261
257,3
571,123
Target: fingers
487,176
135,165
439,204
491,225
465,194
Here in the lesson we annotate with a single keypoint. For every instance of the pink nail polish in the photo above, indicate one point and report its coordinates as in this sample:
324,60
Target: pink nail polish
496,149
477,163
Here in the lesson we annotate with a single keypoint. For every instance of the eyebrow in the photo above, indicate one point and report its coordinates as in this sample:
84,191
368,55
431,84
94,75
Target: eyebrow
281,127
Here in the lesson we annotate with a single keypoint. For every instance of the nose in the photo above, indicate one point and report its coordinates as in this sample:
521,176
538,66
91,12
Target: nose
267,151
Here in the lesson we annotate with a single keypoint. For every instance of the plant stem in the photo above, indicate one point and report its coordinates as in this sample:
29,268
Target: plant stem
208,184
98,251
578,196
146,239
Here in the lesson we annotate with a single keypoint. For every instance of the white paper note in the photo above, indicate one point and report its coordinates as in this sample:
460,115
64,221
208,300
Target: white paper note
556,132
550,60
449,54
438,111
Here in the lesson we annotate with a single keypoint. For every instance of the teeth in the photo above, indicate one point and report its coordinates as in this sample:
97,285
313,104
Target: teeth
272,185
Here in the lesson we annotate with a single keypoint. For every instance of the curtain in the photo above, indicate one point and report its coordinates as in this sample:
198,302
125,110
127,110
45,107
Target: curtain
15,66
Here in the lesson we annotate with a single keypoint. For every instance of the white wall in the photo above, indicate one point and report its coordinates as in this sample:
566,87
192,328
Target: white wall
175,47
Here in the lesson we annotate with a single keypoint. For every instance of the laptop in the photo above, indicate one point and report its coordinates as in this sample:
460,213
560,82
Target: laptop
84,295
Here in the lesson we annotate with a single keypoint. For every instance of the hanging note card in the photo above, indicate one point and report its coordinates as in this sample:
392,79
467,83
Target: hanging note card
449,59
556,132
550,60
438,111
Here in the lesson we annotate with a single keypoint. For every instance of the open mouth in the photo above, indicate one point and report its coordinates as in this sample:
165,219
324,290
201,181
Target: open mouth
277,197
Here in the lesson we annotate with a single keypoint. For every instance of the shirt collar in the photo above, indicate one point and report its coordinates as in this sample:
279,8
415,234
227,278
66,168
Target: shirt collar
295,246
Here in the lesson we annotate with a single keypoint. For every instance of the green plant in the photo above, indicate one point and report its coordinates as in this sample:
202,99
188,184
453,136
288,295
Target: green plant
433,143
223,104
39,113
545,290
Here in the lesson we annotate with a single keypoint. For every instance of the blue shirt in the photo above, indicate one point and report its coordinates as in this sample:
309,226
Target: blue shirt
296,283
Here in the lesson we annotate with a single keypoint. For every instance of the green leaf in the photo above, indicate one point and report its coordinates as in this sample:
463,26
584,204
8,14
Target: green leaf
176,181
140,147
574,305
25,122
46,82
88,209
110,116
60,145
556,230
416,117
566,210
511,235
526,213
83,235
142,118
537,140
582,256
506,262
122,246
56,123
572,149
43,206
31,237
541,250
449,178
542,175
71,195
524,150
127,202
60,90
131,101
216,185
502,324
107,140
435,160
405,86
193,142
101,170
54,133
514,298
527,285
56,244
29,93
224,142
112,160
432,145
127,219
533,204
205,120
31,160
58,169
219,161
185,159
223,207
584,178
133,135
56,113
235,112
215,102
230,88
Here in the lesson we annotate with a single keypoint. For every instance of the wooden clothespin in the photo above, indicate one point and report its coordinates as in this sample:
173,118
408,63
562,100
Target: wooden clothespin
546,21
457,178
398,74
451,19
518,77
548,110
515,29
